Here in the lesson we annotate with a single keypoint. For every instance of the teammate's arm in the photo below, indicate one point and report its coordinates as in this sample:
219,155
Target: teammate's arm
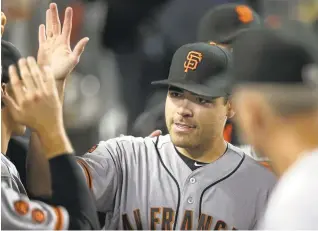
54,51
36,105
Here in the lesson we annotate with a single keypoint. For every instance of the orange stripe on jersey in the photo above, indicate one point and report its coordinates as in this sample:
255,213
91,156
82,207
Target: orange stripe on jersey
60,220
228,132
87,172
266,164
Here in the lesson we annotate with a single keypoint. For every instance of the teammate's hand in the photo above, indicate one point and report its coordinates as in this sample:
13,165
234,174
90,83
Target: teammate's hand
54,44
35,103
155,133
3,22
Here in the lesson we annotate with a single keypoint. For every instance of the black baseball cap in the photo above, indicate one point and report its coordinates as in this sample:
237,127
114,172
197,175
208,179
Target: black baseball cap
222,24
9,55
200,68
284,56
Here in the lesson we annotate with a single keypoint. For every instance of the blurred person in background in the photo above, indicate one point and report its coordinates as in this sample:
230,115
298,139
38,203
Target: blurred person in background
276,99
36,104
121,33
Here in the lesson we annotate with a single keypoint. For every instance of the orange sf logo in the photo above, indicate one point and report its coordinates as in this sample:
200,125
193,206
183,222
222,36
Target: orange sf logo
193,59
244,13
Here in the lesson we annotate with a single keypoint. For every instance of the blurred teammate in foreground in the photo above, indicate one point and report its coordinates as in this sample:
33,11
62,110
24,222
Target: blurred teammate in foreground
35,103
276,99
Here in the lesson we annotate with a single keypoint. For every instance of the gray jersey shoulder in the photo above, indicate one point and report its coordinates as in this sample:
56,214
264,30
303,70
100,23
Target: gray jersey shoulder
10,175
20,213
142,183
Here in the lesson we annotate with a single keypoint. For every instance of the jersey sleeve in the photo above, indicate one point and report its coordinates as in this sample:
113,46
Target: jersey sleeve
18,212
102,169
105,165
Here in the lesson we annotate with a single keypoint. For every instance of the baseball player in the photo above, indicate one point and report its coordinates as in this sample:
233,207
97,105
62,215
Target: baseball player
36,104
277,99
222,25
191,178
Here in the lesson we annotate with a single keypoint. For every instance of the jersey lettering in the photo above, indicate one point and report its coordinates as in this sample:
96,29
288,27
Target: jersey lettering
163,218
167,218
205,222
187,220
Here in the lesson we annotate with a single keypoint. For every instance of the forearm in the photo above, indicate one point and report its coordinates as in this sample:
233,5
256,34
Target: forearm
37,166
38,171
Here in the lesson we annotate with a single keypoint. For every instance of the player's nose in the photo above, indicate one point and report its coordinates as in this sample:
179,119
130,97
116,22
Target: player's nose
184,110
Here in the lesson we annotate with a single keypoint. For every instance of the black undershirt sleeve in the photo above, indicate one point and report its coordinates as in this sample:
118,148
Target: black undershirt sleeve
70,191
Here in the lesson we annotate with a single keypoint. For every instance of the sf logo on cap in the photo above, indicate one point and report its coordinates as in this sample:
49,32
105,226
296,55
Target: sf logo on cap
193,59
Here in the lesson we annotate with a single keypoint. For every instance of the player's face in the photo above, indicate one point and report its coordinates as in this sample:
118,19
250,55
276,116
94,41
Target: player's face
192,120
17,129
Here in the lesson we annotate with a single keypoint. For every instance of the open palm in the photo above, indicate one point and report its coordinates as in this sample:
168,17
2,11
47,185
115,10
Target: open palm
54,44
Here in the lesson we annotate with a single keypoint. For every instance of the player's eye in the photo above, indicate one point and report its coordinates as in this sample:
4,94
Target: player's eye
203,101
175,94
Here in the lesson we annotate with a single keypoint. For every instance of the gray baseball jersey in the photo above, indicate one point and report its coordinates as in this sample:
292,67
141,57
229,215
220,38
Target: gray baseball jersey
19,213
142,183
10,175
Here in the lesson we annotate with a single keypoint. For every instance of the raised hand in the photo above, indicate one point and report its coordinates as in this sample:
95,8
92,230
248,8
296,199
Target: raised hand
35,103
54,44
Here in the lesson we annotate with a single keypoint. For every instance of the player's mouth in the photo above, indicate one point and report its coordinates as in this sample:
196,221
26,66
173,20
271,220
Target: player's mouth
183,127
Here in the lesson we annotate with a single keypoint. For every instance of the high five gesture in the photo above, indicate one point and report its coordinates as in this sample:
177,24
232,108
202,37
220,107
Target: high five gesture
54,43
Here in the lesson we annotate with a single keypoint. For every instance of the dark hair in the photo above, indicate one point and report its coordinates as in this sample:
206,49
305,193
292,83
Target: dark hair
9,55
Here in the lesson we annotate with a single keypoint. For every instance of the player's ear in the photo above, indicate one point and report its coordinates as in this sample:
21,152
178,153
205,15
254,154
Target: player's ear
259,114
230,109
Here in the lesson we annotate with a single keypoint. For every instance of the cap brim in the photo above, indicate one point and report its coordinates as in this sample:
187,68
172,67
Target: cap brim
199,89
